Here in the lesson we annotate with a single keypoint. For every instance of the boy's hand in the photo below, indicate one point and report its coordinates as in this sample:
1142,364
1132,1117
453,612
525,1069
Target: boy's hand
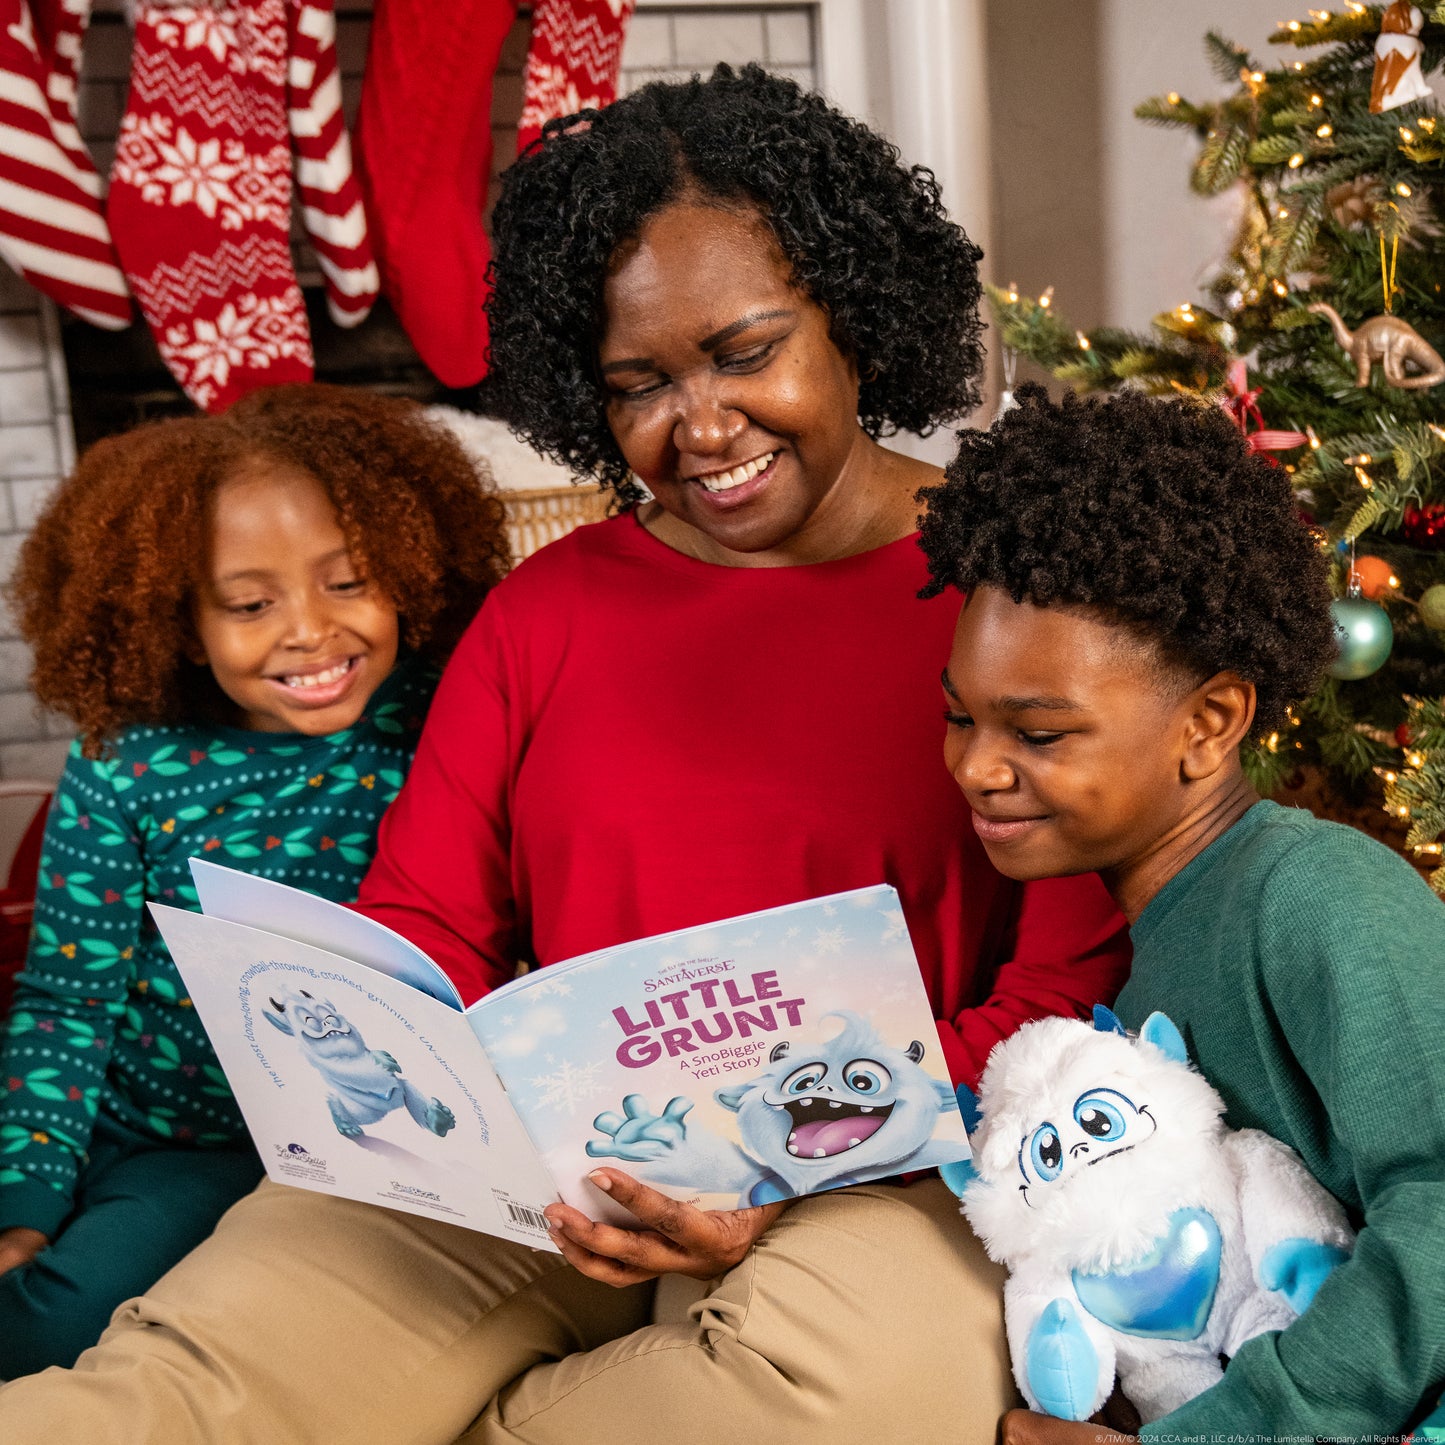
20,1245
679,1239
1023,1427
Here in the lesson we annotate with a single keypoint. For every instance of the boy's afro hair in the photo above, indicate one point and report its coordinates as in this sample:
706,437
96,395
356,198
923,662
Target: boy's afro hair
1148,512
867,238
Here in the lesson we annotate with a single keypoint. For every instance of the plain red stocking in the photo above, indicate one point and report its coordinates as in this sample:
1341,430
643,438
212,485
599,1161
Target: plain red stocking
424,145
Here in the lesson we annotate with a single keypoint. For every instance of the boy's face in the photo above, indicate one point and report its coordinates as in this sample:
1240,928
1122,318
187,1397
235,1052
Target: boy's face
1067,736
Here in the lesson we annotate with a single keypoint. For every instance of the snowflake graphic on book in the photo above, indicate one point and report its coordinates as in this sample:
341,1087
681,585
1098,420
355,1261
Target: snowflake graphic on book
567,1087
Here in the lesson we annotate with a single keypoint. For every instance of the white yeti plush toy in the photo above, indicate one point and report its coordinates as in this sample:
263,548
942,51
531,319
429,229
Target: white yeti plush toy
1143,1237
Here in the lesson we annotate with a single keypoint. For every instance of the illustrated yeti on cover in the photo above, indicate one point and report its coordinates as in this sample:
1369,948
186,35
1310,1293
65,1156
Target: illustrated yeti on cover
364,1084
841,1112
1143,1236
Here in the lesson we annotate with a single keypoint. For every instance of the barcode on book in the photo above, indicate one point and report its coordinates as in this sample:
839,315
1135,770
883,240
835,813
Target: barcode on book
522,1214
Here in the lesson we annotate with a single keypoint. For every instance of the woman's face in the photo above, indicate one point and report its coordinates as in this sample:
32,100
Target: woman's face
724,390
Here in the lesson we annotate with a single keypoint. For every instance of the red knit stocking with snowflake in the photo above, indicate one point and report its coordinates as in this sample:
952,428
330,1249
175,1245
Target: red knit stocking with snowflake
573,60
200,199
51,227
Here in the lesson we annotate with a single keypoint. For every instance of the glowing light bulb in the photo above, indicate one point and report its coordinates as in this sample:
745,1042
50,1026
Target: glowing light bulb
1296,161
1280,289
1313,435
1325,131
1283,213
1415,760
1363,478
1316,101
1083,340
1406,134
1403,190
1173,97
1257,76
1047,299
1293,27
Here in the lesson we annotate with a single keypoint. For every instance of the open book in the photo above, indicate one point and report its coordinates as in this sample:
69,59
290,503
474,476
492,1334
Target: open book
754,1059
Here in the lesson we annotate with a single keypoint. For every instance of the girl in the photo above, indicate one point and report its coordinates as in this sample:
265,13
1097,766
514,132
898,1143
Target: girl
243,617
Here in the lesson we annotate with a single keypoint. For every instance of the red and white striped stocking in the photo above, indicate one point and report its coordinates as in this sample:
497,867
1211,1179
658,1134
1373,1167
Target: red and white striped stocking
331,205
200,197
573,60
51,227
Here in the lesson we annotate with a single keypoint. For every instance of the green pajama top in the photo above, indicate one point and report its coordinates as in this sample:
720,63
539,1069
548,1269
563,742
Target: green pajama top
1305,965
101,1024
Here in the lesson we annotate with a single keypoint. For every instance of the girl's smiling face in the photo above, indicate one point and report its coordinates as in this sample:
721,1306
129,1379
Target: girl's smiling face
295,634
725,392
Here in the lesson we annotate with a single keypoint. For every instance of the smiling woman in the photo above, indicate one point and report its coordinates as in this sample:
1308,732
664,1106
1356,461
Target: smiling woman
722,292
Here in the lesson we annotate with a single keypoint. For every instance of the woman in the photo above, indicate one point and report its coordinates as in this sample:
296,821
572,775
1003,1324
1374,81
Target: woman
720,700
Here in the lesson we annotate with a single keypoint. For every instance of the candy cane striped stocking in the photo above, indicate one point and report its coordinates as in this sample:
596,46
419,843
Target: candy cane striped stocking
200,197
331,205
573,60
51,228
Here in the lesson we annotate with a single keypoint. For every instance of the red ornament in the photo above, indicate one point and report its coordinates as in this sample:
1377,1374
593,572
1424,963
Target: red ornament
1403,736
1424,527
1242,404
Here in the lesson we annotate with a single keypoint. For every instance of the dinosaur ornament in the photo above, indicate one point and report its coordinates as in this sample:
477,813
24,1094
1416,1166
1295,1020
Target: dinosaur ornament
1392,342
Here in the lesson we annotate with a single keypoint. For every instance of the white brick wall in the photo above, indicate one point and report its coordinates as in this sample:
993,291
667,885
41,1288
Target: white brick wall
37,440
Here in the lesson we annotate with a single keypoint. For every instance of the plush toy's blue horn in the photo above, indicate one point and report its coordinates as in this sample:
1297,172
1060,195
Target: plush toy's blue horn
1106,1021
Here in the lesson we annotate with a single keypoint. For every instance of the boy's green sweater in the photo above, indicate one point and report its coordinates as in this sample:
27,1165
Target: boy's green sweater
1305,965
101,1026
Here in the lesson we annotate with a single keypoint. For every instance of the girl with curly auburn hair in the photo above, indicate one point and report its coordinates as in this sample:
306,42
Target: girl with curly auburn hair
722,291
244,616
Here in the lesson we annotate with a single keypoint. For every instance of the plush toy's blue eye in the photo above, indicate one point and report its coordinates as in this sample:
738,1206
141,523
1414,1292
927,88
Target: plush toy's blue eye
1046,1153
866,1076
801,1080
1098,1118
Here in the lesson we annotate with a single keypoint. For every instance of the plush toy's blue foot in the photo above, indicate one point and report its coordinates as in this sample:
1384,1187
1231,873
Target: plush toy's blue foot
1062,1365
439,1119
1296,1268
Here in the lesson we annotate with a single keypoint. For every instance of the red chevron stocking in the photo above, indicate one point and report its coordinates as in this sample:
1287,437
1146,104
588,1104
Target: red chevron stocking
330,196
51,228
424,144
573,60
200,198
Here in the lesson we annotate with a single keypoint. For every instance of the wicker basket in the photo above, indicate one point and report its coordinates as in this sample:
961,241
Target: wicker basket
538,516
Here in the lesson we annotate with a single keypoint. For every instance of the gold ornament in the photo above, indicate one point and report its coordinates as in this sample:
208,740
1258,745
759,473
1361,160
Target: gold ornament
1392,342
1398,78
1352,203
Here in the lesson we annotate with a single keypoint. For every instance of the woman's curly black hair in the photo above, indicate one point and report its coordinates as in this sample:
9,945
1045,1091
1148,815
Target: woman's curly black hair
1148,512
867,237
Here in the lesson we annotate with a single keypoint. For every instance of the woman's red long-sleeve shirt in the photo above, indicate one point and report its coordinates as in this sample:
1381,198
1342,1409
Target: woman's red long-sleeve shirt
629,741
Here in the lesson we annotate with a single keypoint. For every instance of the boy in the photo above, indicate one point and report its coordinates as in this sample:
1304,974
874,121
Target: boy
1142,599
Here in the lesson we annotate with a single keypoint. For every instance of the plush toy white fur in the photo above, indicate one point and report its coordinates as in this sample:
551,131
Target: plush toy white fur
1143,1237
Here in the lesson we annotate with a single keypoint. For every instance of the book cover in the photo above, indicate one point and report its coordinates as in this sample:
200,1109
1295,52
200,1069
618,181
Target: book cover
776,1054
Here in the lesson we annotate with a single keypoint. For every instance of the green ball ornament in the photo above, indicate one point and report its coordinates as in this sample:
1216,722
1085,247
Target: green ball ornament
1431,607
1363,637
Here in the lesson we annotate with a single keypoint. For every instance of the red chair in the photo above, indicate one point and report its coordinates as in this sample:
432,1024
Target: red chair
23,808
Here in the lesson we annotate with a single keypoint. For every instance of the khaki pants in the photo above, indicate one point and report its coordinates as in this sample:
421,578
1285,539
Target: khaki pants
868,1315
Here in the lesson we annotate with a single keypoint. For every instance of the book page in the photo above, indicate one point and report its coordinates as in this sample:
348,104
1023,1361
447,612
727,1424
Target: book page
293,913
353,1083
781,1053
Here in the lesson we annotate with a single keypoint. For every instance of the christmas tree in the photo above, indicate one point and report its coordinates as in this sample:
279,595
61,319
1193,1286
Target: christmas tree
1321,333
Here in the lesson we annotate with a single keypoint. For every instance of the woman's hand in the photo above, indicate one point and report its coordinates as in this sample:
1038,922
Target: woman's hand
1023,1427
19,1245
679,1239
